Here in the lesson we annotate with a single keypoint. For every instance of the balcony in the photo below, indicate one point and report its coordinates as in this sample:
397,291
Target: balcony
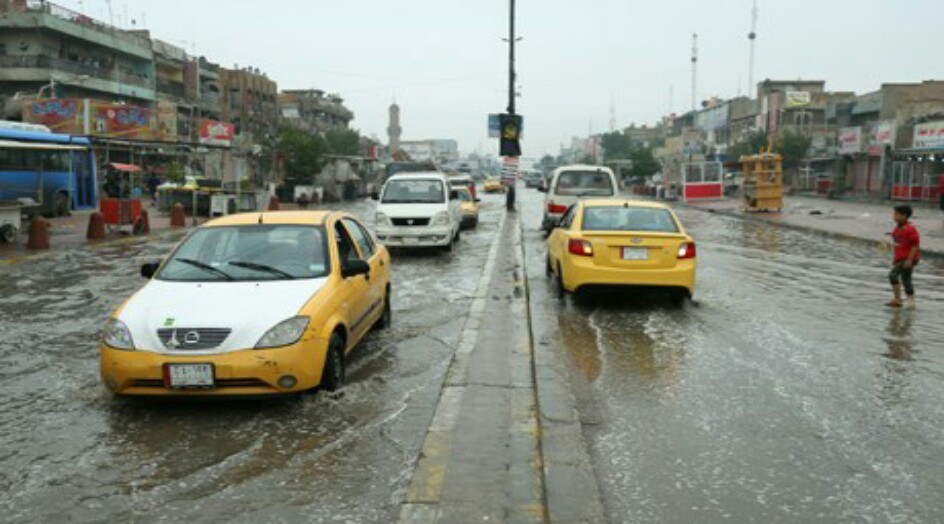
175,89
40,68
82,23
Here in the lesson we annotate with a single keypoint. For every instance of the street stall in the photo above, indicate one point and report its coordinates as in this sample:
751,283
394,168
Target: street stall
917,176
702,181
763,181
121,204
816,176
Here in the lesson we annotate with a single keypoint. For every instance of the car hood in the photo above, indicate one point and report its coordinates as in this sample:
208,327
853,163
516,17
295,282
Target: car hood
411,210
249,309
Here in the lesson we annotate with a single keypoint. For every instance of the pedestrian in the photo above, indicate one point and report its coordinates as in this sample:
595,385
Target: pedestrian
907,253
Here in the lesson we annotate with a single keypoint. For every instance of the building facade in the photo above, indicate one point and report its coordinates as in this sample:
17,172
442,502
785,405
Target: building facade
313,110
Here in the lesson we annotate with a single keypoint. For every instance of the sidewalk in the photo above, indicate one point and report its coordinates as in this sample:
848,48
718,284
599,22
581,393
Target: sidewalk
868,222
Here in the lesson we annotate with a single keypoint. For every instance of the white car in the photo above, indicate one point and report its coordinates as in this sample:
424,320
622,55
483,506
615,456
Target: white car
571,183
418,210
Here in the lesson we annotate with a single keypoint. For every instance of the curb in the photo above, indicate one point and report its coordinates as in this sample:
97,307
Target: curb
925,253
92,246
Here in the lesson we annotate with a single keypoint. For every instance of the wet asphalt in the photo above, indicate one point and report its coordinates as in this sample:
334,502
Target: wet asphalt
786,393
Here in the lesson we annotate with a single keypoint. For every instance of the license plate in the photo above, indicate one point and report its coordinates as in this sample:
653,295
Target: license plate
635,253
411,240
188,375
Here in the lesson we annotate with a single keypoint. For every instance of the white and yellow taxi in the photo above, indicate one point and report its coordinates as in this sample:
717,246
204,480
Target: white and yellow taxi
250,304
469,207
618,242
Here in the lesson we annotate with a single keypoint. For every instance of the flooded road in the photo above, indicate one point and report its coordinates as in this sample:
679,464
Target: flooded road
787,393
69,451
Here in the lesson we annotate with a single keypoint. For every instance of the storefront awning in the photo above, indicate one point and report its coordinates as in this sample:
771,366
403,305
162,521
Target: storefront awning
125,168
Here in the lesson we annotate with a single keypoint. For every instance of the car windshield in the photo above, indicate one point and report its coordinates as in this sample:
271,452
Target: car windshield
584,183
256,252
620,218
414,191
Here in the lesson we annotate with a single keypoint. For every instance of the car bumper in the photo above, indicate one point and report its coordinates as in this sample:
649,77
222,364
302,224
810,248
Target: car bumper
580,272
469,219
238,373
438,236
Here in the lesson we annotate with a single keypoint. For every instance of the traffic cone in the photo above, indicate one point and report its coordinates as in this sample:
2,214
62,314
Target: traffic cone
38,234
96,227
274,203
178,217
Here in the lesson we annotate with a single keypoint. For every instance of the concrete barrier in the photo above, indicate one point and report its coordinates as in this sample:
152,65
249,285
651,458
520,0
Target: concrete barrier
273,203
178,217
96,227
144,226
38,234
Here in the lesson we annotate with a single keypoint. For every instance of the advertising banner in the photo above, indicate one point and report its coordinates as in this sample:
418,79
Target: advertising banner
929,135
60,115
882,134
798,99
123,121
167,121
850,140
216,133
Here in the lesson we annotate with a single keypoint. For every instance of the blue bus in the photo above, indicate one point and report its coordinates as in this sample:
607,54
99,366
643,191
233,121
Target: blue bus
56,171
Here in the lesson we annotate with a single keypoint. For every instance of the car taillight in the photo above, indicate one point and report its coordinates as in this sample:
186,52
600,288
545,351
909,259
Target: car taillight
580,247
556,209
687,250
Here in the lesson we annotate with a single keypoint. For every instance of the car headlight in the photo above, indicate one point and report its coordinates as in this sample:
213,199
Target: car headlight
117,335
441,218
284,333
380,219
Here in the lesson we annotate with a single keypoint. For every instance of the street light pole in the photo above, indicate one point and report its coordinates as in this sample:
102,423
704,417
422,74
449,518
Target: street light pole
511,59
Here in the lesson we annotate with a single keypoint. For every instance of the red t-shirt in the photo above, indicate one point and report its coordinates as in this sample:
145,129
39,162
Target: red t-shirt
906,238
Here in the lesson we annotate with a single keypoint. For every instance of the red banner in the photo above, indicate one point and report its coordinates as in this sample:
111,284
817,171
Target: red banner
60,115
216,133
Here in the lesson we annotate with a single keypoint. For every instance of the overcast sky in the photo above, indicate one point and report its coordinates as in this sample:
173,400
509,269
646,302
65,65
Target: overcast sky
446,64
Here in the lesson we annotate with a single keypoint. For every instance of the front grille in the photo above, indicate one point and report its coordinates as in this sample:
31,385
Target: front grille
410,221
192,339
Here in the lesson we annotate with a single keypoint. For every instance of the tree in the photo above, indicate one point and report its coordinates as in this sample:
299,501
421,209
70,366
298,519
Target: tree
617,145
794,147
302,154
751,144
644,163
345,142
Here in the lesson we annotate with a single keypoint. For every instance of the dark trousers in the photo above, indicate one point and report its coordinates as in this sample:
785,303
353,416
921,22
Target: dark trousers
900,275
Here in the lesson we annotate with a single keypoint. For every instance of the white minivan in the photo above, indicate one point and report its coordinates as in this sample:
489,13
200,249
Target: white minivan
570,183
418,210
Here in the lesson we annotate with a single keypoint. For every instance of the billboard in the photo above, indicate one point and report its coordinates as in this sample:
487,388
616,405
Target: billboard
60,115
929,135
167,121
798,99
881,134
850,140
216,133
123,121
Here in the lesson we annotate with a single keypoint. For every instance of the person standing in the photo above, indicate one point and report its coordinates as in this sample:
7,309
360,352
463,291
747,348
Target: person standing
907,253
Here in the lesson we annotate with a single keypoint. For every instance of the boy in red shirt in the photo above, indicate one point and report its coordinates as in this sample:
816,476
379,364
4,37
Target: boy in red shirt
907,254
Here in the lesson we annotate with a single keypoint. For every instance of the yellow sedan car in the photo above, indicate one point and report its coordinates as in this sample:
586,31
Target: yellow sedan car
618,242
494,185
469,207
250,304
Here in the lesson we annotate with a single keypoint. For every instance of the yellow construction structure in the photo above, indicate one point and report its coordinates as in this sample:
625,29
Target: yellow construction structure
763,181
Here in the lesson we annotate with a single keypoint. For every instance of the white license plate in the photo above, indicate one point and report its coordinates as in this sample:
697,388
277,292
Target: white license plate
635,253
411,240
188,375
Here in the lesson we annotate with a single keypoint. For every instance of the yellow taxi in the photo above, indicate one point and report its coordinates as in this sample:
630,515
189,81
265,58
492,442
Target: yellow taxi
619,242
250,304
469,207
494,185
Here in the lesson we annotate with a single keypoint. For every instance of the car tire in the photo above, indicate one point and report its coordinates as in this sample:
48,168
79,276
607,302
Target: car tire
62,205
561,292
458,236
7,234
386,319
548,268
333,375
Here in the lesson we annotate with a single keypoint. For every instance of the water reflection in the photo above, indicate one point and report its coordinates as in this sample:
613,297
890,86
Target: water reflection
898,339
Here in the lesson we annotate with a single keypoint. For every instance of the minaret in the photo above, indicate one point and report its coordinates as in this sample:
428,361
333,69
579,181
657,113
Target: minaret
394,131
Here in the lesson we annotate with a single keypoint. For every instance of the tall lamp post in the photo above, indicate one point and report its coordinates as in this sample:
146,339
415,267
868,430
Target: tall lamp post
512,76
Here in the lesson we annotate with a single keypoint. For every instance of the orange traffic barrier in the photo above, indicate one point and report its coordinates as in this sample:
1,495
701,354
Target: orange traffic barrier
274,203
96,227
144,223
38,234
178,217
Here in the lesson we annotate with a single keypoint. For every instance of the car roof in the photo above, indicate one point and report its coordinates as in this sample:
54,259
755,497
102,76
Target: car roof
583,167
424,175
316,218
613,202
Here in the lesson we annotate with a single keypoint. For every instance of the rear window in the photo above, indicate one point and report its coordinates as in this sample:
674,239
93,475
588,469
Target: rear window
581,183
619,218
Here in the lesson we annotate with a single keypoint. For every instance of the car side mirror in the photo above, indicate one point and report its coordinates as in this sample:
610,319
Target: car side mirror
353,268
148,270
453,195
375,196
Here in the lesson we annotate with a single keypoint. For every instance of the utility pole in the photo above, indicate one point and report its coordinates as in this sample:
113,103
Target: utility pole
694,70
752,36
512,76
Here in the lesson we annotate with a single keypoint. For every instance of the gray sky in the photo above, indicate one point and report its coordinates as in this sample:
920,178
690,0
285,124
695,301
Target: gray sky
445,63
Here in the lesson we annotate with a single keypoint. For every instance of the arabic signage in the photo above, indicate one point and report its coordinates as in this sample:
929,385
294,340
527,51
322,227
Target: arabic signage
798,99
882,134
123,121
929,135
216,133
850,140
60,115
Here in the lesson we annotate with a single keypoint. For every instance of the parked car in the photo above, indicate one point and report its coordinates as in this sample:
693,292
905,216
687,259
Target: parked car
418,210
571,183
469,206
534,179
465,181
250,304
619,242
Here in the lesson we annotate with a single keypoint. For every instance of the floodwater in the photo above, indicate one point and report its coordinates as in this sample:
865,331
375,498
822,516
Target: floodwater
69,451
786,393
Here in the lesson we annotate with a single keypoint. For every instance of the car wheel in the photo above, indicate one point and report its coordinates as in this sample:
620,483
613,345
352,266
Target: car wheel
548,268
7,234
561,292
386,318
448,247
62,205
333,375
458,234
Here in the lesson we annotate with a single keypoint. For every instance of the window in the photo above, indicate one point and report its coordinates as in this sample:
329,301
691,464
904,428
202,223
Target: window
625,218
414,191
346,251
581,183
568,217
361,237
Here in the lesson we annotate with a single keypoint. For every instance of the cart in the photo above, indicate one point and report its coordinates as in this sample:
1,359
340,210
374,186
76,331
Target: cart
11,213
763,181
122,207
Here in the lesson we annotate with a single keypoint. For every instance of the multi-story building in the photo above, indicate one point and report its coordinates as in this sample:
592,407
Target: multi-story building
313,110
249,102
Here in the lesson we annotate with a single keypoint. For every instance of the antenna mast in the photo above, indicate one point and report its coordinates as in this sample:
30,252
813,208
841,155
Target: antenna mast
752,36
694,70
